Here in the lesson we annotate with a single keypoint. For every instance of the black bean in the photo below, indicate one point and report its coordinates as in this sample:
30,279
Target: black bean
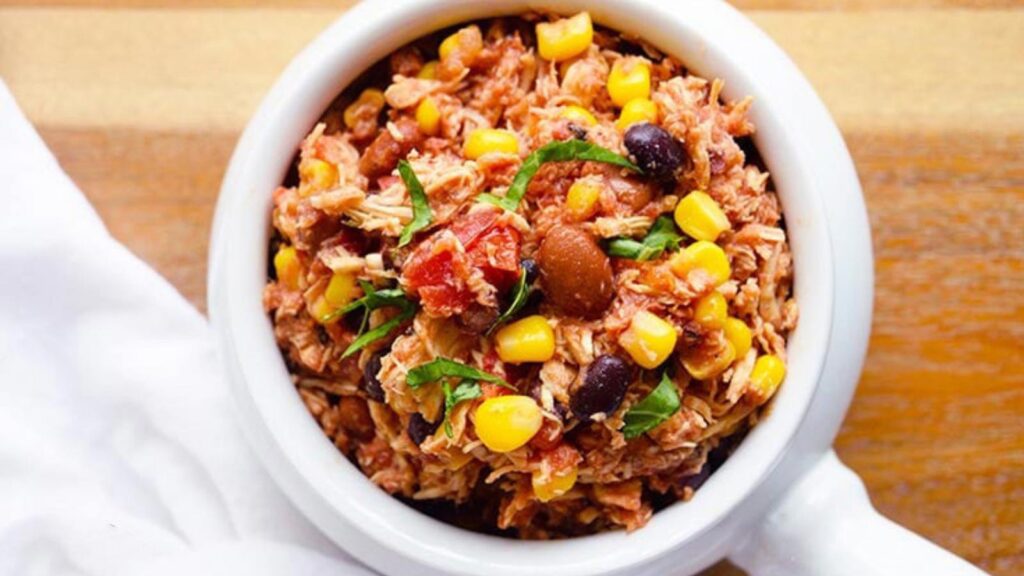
420,428
603,387
374,391
530,267
716,457
477,318
536,392
656,152
578,132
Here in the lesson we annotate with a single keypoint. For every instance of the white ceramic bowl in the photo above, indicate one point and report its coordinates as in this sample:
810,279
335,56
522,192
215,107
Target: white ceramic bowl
829,233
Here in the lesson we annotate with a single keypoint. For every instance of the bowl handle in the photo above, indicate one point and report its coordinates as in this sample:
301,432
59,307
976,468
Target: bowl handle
825,524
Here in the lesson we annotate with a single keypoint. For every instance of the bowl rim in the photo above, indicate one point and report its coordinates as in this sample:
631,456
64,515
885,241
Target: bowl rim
295,450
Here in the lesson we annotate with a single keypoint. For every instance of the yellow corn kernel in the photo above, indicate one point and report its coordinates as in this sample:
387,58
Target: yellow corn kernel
553,485
464,45
738,333
287,267
629,79
565,38
581,200
484,140
428,116
448,45
702,366
579,115
504,423
769,371
341,290
528,340
707,256
635,111
701,217
371,97
649,339
711,310
315,175
322,311
428,71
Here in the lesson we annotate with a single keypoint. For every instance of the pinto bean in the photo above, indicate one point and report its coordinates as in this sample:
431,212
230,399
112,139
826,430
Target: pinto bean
477,318
383,154
631,192
576,274
406,62
355,417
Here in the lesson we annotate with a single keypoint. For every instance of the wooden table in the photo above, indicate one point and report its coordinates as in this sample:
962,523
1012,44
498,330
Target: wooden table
142,103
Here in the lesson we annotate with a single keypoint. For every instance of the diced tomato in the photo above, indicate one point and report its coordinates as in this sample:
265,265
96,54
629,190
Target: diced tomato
548,437
469,227
440,273
491,247
434,276
496,253
561,457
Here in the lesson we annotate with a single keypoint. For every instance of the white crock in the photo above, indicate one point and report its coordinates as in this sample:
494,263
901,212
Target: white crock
782,504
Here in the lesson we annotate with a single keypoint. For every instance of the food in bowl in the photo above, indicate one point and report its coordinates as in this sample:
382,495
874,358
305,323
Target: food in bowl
530,277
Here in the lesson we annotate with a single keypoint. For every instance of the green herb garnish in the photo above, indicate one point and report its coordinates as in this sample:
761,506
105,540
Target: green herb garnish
553,152
464,391
520,292
379,332
421,215
439,368
657,407
662,236
371,300
444,368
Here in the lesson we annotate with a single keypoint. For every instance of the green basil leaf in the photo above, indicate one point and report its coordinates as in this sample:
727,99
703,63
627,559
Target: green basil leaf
520,292
439,368
421,215
464,391
663,233
488,198
662,236
657,407
379,332
372,299
554,152
632,249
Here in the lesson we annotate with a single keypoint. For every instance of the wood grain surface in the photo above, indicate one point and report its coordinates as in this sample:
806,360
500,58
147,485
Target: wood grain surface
142,101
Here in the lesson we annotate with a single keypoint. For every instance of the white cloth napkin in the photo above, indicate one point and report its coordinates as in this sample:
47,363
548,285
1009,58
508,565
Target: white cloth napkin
119,449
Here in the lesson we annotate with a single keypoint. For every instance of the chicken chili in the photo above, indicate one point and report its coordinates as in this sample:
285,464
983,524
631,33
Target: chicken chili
530,277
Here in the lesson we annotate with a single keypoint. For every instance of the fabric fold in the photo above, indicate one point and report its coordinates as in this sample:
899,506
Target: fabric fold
119,448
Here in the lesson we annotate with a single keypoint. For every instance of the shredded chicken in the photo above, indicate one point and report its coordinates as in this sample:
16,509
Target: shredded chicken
365,286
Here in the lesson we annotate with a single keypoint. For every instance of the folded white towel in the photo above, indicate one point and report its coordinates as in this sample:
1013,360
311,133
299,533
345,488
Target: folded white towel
119,449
